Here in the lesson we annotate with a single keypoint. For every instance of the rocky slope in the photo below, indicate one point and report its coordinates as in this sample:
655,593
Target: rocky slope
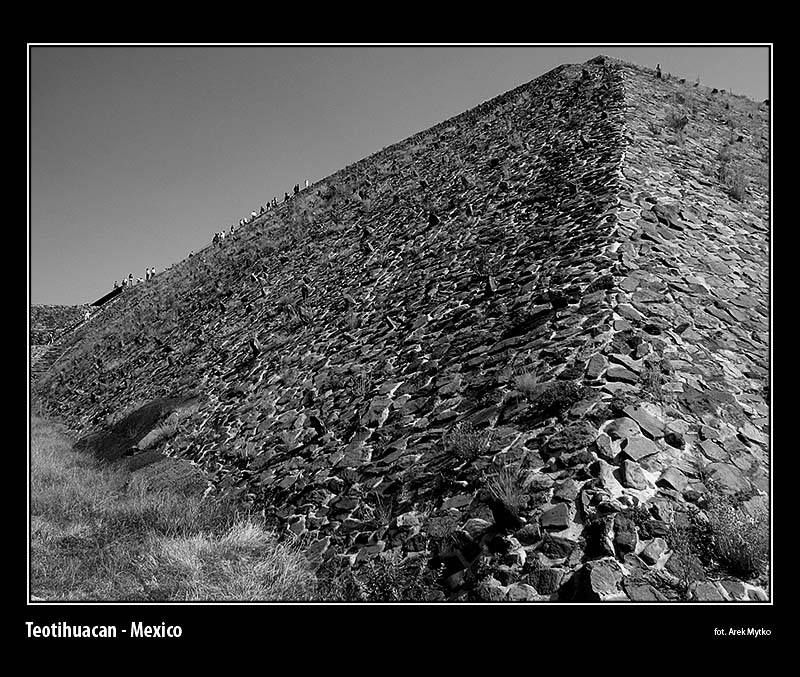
520,344
47,321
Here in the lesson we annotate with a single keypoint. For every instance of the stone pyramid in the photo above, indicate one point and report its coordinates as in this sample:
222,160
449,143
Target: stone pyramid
521,343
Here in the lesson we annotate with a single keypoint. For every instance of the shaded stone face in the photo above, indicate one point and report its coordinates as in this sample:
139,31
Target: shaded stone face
549,284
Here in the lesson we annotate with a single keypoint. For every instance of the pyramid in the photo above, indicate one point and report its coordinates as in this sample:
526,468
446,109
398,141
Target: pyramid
521,343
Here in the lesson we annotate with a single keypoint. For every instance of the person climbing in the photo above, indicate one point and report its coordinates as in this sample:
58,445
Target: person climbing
263,209
306,186
658,71
296,188
130,279
116,285
191,253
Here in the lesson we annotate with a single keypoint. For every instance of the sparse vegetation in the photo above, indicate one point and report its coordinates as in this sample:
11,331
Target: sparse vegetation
507,485
526,383
725,537
676,120
739,539
360,385
382,579
652,379
734,180
466,442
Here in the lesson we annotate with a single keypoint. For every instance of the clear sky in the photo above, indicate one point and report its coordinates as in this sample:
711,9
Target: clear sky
138,154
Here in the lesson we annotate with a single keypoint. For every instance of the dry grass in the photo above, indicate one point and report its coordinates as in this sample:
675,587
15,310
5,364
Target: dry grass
526,383
507,485
97,535
740,540
467,443
243,563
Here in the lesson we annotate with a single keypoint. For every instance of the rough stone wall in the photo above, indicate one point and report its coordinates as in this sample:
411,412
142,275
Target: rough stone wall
696,264
512,268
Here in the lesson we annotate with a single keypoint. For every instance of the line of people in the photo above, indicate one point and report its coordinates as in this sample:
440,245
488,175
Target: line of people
271,204
131,282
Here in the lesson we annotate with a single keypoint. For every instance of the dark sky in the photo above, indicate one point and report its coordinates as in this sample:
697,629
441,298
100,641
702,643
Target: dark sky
139,154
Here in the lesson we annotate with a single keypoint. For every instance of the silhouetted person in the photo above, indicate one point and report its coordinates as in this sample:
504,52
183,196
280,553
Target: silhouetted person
658,71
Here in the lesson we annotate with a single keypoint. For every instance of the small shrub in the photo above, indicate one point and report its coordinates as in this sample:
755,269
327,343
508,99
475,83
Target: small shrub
353,320
687,542
739,540
676,120
379,580
526,383
467,443
734,180
360,385
652,381
729,538
560,396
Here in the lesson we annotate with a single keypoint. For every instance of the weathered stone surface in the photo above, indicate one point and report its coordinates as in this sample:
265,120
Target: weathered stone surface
637,448
728,477
707,591
529,534
566,491
491,590
673,478
653,550
521,592
633,476
599,580
650,425
476,527
556,518
621,428
642,592
596,366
